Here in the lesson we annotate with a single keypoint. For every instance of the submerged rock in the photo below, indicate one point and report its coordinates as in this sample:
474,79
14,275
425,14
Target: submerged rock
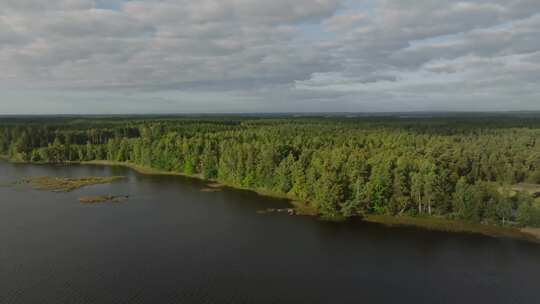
103,199
289,211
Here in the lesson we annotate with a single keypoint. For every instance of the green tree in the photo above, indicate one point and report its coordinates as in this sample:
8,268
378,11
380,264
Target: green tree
465,202
283,175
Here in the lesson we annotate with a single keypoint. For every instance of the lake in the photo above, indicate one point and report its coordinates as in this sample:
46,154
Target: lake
173,243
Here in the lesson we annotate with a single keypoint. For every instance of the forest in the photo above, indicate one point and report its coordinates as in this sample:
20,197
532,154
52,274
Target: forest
465,167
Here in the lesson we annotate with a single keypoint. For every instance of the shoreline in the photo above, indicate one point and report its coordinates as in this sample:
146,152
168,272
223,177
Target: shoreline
303,208
455,226
151,171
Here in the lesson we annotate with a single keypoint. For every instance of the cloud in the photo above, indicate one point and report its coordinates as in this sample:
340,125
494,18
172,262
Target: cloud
284,54
150,44
41,6
344,21
244,11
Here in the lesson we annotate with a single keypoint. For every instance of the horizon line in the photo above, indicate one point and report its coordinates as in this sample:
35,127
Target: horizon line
275,113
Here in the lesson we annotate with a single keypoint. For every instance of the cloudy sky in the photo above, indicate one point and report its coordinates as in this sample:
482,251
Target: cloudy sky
185,56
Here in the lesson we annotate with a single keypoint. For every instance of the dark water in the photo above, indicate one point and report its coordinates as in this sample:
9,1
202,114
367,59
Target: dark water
172,243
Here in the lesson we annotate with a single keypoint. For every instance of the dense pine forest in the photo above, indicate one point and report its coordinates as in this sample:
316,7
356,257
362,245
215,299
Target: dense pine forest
476,168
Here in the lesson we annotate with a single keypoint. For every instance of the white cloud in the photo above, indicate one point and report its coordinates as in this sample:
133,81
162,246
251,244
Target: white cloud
280,53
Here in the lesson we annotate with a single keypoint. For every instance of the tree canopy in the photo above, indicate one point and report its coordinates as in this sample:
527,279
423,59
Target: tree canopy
457,166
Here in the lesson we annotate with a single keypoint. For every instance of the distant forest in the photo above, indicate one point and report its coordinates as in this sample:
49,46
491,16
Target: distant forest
471,168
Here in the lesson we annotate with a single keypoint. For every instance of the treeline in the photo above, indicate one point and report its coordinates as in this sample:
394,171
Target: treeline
453,167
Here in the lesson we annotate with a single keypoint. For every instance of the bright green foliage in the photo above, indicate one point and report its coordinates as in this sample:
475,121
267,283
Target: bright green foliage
379,187
504,209
465,201
283,175
454,166
528,215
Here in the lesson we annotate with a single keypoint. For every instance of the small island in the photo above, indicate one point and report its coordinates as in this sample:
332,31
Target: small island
64,184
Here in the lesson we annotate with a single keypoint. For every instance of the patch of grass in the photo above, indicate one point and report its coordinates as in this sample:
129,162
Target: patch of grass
532,189
64,184
210,190
532,231
102,199
215,185
438,224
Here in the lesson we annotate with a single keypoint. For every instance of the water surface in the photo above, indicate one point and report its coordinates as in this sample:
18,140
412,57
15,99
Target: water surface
172,243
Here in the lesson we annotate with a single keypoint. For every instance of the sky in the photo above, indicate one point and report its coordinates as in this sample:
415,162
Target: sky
245,56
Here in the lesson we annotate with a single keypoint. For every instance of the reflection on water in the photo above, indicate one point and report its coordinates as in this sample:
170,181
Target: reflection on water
172,243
